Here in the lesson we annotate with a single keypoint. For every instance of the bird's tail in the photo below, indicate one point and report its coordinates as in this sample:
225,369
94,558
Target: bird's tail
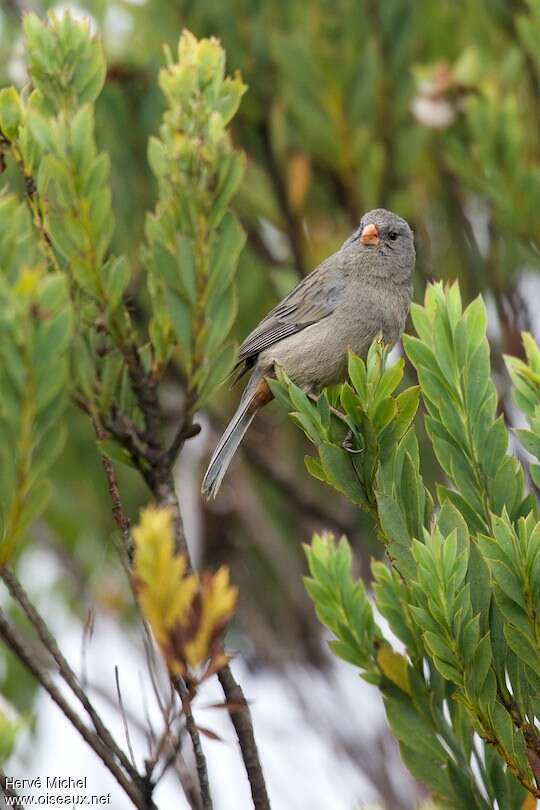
234,433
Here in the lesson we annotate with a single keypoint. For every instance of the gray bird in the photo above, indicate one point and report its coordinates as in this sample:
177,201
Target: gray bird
361,290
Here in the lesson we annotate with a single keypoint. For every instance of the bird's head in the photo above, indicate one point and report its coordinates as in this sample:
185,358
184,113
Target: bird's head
387,239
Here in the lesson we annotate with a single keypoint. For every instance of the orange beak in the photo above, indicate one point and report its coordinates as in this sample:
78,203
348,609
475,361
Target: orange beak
370,235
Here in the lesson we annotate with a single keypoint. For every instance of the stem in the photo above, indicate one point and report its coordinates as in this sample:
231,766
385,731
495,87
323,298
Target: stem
9,793
186,429
200,759
33,201
166,496
140,799
36,620
123,524
243,725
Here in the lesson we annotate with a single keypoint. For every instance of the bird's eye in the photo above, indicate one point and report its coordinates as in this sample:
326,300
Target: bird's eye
392,236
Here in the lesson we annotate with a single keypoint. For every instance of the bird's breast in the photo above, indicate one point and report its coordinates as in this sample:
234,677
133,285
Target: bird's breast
317,355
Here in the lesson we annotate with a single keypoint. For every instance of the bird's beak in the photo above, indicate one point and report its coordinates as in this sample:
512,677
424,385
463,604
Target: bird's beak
370,235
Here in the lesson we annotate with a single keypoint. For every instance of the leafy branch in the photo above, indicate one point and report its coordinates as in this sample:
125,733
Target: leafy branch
72,326
463,649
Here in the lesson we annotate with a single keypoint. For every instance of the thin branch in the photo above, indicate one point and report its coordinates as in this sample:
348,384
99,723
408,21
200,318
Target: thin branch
49,642
173,743
243,726
33,200
159,478
123,524
9,793
165,494
123,715
200,759
140,799
118,513
186,430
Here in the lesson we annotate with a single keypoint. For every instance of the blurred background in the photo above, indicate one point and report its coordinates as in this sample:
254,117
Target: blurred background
430,109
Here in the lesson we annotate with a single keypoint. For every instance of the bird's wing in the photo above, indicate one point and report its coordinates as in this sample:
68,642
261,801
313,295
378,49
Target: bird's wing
312,300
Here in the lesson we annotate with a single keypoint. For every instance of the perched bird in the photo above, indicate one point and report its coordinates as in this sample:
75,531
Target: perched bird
363,289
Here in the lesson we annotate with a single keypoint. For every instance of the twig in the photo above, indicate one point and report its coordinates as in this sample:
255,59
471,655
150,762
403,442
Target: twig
166,495
174,755
243,726
140,799
123,524
9,793
118,513
161,482
200,759
186,430
49,642
33,200
123,715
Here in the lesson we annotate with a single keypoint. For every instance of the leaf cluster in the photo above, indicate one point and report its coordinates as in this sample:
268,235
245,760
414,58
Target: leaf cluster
461,591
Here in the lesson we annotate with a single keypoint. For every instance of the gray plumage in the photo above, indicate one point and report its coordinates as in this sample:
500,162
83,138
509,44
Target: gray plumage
362,289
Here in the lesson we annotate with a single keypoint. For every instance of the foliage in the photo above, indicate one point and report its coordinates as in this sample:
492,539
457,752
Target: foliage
35,330
187,613
65,264
68,336
429,109
462,593
194,243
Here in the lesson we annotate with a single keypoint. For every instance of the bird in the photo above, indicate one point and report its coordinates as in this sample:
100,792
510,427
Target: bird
362,290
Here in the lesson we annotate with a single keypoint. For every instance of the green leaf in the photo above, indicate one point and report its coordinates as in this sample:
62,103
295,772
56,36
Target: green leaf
117,276
220,321
523,647
494,449
315,468
389,381
477,378
421,322
392,519
420,355
412,729
10,112
224,256
412,497
347,653
180,315
231,173
530,441
503,489
480,664
476,319
444,347
357,374
340,472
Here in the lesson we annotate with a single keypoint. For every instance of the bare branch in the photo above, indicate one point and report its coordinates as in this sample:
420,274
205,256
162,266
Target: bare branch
49,642
200,759
123,524
243,726
139,794
9,793
186,430
123,715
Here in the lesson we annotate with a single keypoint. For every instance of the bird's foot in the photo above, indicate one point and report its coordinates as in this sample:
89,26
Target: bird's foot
348,443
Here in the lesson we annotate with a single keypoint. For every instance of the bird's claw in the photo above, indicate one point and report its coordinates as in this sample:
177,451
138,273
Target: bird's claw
347,444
